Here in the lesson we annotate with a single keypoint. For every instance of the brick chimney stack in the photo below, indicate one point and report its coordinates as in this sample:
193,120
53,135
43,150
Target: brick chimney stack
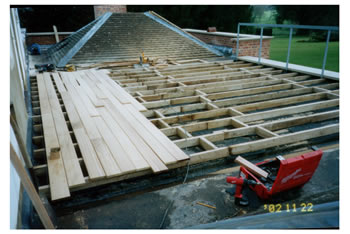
211,29
101,9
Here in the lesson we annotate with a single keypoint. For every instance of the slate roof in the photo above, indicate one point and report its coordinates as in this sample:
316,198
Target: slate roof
117,37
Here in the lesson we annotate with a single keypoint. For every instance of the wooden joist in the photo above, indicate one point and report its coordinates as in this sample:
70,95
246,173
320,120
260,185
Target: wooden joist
283,140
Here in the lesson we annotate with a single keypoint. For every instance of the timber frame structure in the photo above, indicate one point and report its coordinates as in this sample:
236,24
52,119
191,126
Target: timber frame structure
207,103
215,109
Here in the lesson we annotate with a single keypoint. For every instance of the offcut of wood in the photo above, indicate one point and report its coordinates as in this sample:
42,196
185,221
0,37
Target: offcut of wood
251,167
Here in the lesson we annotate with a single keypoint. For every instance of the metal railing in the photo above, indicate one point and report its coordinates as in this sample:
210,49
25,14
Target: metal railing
291,27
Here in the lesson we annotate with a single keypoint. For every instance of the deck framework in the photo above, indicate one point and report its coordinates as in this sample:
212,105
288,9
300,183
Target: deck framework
216,109
210,110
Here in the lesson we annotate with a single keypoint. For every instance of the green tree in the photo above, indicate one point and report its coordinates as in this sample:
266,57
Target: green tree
327,15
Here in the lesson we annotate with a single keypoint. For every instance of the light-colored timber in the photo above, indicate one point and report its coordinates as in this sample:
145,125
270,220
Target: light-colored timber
108,136
251,167
152,115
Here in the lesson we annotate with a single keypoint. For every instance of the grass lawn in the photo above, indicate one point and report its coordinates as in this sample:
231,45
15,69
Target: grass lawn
305,53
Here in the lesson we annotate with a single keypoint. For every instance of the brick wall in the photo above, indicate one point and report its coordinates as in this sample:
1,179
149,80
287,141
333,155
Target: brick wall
246,47
101,9
43,39
251,48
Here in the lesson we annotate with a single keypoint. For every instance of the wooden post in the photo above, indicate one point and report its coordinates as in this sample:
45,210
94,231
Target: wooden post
29,187
56,34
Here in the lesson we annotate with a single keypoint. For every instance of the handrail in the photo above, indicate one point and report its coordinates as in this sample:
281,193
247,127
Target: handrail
313,27
291,27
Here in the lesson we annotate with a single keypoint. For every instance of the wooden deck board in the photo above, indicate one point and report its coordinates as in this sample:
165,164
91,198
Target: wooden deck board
141,129
106,159
57,175
70,159
148,154
93,85
119,154
119,94
86,88
112,84
88,152
81,93
134,155
58,82
169,145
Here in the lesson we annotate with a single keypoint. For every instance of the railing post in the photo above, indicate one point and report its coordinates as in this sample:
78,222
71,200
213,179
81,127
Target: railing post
237,44
261,36
289,44
325,53
329,29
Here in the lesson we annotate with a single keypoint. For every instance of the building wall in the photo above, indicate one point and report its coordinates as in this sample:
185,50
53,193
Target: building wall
101,9
18,74
18,79
246,47
15,185
43,39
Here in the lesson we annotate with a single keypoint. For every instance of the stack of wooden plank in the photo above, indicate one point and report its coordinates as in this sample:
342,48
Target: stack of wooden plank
114,138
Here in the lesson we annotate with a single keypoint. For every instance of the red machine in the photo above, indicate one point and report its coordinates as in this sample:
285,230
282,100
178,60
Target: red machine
283,174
